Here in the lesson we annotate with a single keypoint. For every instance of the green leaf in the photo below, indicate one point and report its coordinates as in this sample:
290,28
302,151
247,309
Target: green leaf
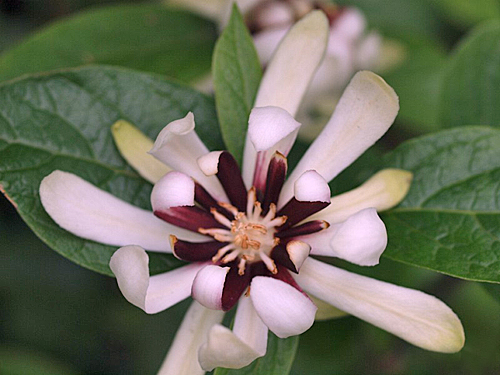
470,91
450,220
147,37
62,121
277,361
237,72
467,12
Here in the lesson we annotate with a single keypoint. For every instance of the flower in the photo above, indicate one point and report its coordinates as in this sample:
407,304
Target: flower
246,236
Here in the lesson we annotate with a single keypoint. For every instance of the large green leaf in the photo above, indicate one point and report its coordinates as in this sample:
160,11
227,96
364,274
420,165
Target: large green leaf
450,220
146,37
62,121
237,72
470,92
277,361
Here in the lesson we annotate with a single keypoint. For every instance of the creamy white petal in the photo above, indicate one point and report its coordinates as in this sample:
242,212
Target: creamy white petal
419,318
288,74
298,251
311,187
182,358
134,146
383,190
237,348
285,310
365,111
179,146
130,264
89,212
209,163
173,190
208,286
326,311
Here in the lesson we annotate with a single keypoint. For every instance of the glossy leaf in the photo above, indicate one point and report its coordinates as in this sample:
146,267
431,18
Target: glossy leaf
277,361
470,92
63,121
147,37
449,222
237,72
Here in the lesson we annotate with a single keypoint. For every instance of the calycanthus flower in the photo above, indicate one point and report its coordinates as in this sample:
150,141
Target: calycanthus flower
248,237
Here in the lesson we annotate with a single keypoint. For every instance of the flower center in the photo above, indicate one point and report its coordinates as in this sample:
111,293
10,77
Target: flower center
250,236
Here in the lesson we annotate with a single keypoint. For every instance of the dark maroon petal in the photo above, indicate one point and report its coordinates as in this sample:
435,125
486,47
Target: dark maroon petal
296,211
189,217
234,286
205,200
303,229
285,276
195,251
281,257
275,179
229,176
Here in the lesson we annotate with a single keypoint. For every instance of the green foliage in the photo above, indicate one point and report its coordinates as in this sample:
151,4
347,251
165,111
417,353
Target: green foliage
237,72
467,12
277,361
62,121
449,222
147,37
470,92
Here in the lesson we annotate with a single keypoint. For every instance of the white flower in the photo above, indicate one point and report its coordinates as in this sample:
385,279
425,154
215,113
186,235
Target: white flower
247,237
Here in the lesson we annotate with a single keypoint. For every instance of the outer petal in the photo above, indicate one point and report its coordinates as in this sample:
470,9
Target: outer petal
383,190
181,358
208,286
151,294
179,146
91,213
326,311
366,110
284,309
134,146
288,75
173,190
361,239
237,348
416,317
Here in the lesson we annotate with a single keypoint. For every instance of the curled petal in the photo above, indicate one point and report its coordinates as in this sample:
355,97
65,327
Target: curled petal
237,348
365,111
193,332
89,212
179,147
151,294
208,286
284,309
311,187
172,190
361,239
414,316
383,190
134,146
288,75
292,255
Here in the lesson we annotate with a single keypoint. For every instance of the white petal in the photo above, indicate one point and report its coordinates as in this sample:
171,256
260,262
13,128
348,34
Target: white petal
237,348
179,146
151,294
134,146
173,190
298,251
311,187
269,125
289,73
416,317
209,163
361,239
365,111
89,212
267,40
382,191
326,311
208,286
182,358
285,310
